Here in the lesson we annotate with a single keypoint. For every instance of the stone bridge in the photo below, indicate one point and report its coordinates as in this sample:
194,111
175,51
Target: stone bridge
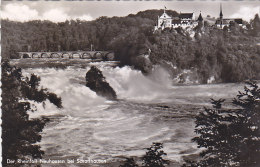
106,55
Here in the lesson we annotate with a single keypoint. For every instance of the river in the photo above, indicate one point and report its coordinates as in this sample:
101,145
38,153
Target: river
150,109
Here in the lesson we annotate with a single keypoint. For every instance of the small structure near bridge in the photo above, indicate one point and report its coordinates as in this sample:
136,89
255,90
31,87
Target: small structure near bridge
105,55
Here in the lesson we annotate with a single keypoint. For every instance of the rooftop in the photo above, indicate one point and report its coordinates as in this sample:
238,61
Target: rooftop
165,16
186,15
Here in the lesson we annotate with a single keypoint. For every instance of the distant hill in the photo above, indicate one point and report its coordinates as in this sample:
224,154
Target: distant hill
153,14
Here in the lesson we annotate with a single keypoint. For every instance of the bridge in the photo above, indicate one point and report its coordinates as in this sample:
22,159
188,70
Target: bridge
105,55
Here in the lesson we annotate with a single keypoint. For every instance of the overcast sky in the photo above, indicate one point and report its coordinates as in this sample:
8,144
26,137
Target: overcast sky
58,11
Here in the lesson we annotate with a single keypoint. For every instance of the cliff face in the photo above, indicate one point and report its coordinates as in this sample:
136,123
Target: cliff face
97,82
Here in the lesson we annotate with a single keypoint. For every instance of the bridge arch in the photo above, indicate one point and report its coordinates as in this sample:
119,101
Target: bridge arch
98,55
36,55
109,56
54,55
26,55
86,55
76,55
44,55
65,55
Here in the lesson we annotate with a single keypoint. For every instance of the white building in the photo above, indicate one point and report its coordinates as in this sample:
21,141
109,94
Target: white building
165,21
184,20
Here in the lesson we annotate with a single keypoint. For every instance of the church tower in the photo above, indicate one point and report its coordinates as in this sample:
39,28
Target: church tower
221,17
200,17
221,14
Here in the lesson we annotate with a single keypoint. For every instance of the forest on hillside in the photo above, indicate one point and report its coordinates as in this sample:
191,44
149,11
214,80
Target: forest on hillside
229,55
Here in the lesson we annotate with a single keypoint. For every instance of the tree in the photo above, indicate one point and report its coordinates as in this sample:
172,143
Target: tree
19,133
129,163
153,156
231,137
255,25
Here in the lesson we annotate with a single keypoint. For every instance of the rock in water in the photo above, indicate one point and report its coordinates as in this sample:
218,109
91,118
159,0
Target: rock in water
97,82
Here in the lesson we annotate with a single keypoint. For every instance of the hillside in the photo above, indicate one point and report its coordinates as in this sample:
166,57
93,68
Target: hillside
213,54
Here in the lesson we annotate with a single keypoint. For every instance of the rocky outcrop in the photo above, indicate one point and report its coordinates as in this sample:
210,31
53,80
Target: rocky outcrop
143,63
97,82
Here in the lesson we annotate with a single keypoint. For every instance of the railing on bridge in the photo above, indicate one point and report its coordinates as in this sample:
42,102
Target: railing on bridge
105,55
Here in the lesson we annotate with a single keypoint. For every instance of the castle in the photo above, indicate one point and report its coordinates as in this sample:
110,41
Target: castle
184,20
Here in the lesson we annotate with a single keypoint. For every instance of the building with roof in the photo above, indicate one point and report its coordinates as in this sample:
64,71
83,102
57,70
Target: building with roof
222,22
184,20
164,21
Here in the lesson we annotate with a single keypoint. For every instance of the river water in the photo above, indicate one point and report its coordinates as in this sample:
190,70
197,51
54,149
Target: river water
149,109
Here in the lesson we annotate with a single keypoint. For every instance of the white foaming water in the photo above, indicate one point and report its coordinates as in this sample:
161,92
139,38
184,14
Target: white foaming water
133,85
89,126
66,84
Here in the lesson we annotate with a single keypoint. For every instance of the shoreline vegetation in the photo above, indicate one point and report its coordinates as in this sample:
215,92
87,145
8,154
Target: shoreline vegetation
204,54
19,132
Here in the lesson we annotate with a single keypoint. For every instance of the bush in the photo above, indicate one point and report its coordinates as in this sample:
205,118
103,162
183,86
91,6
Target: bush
129,163
152,158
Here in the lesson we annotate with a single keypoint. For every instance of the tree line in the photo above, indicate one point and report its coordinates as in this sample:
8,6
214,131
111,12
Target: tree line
230,55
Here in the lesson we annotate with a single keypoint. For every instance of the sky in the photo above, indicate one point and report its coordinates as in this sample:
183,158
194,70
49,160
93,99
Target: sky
58,11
